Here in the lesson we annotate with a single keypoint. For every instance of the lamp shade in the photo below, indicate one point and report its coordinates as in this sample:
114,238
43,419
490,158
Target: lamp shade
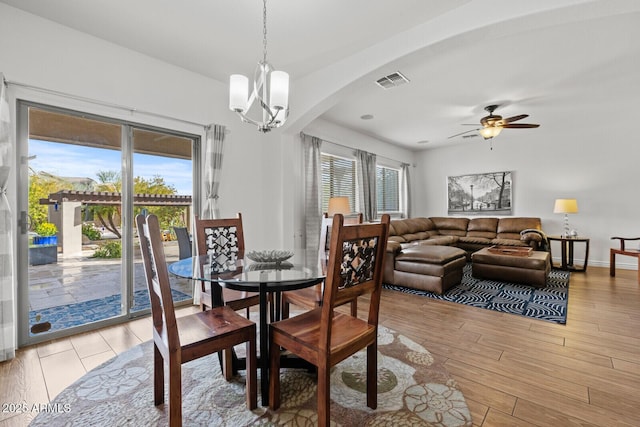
338,205
566,206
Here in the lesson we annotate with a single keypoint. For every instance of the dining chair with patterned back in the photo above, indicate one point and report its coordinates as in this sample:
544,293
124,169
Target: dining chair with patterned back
309,298
224,240
323,336
178,340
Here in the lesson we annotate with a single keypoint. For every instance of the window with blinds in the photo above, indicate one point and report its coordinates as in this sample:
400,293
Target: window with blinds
387,189
338,179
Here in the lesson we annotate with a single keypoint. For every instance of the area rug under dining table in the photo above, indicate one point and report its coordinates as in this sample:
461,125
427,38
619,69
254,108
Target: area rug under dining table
414,388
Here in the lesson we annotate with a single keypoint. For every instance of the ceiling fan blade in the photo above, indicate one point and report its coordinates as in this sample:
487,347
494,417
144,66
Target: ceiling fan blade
520,125
514,118
462,133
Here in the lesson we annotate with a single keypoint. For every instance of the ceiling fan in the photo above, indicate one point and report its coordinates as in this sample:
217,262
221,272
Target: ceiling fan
493,124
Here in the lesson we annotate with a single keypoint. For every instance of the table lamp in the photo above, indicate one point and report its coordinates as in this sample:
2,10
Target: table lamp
566,206
338,205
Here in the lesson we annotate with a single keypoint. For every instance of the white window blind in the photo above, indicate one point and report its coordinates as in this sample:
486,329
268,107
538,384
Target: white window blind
338,179
387,189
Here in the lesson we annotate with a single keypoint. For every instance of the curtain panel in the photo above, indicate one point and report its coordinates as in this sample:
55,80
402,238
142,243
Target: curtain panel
366,176
213,157
312,194
405,190
7,296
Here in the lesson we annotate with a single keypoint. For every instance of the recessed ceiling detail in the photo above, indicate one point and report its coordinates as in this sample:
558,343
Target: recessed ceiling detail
392,80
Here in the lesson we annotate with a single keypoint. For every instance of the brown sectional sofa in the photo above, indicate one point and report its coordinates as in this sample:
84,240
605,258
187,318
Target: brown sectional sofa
405,260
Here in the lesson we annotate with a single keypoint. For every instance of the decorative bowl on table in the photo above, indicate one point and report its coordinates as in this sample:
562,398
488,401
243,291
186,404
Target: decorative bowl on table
264,266
269,256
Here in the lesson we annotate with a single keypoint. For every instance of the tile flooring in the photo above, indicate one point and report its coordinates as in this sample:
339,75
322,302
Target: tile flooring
80,289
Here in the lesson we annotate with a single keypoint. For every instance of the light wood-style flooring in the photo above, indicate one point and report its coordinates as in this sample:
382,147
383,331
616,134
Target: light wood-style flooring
513,371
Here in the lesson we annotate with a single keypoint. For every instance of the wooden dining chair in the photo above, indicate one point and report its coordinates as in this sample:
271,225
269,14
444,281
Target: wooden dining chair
178,340
309,298
224,239
325,337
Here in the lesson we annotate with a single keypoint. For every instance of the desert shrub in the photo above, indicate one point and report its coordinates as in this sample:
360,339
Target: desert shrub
110,249
91,232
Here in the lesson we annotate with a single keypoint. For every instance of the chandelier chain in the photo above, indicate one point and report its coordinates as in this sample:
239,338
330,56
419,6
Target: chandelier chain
264,31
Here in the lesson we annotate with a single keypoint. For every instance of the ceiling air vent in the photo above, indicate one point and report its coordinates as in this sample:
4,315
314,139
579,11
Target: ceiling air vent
392,80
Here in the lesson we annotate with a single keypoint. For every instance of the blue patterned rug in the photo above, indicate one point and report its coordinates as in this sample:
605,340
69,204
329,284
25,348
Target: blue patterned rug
70,315
548,303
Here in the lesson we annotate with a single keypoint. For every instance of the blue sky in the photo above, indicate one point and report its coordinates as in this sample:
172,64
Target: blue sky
78,161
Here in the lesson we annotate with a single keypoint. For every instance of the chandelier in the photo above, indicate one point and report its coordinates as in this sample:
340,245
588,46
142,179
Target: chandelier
270,90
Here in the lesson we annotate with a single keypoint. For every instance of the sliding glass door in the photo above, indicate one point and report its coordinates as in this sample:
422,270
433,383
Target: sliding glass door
162,175
83,179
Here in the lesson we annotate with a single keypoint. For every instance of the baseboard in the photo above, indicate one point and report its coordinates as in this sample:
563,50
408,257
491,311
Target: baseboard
604,264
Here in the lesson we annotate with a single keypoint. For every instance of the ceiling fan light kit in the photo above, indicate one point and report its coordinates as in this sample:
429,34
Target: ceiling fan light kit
493,124
490,132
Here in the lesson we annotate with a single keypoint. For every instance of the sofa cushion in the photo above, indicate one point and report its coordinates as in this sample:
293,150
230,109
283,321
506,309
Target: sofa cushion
508,242
441,240
451,226
482,227
510,228
410,226
475,240
422,235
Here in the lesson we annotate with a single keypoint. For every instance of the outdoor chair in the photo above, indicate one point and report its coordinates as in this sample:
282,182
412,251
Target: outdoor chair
184,242
324,337
178,340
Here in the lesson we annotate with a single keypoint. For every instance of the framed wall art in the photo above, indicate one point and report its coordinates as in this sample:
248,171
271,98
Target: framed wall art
480,194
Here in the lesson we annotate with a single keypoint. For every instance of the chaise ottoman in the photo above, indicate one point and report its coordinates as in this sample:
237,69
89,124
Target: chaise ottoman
429,268
529,270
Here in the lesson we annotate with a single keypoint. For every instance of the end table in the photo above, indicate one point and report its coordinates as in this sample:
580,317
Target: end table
566,244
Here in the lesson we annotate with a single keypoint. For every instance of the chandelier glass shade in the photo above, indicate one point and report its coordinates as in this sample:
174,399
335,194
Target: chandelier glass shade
270,91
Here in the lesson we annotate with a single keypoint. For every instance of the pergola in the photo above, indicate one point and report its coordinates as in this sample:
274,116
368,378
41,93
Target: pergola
112,198
67,214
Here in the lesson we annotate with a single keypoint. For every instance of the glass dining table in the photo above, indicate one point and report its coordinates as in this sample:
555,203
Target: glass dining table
297,272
